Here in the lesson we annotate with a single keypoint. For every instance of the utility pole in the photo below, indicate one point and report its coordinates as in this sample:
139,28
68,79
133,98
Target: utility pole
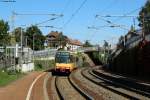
143,27
21,58
33,48
26,41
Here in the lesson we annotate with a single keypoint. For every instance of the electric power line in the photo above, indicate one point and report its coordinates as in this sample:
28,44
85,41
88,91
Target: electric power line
68,2
109,6
34,14
106,8
14,14
47,26
127,14
119,17
73,15
48,20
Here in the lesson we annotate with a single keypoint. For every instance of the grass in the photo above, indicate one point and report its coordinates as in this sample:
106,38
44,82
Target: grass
41,65
6,78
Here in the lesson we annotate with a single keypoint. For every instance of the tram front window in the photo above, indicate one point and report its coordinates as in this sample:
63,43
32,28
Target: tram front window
64,59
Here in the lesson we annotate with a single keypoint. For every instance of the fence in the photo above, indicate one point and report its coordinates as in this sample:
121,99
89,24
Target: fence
7,57
14,56
134,41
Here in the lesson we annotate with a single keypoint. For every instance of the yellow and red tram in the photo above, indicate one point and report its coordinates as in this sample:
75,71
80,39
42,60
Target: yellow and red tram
65,62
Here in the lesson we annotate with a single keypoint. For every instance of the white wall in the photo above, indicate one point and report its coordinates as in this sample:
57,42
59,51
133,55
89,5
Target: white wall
72,47
27,67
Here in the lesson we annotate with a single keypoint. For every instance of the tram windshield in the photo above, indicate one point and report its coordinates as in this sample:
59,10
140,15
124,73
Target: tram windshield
63,57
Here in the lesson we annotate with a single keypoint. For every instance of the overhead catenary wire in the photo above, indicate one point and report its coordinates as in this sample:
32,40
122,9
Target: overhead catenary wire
65,7
74,14
45,21
111,24
111,4
127,14
34,14
119,17
63,10
55,16
48,26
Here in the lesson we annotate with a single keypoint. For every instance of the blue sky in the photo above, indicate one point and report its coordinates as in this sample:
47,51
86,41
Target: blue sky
77,27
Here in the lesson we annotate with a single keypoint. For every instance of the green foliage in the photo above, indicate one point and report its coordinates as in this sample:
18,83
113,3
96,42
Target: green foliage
63,39
105,44
144,17
87,44
4,35
5,78
35,35
17,32
43,64
39,67
85,64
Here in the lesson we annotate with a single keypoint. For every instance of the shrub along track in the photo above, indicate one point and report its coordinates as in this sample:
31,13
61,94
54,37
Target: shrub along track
112,84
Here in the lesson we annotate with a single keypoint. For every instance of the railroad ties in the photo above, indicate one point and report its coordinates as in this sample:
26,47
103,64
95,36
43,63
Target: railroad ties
88,84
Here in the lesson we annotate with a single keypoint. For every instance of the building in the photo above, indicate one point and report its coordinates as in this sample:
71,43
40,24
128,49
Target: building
73,44
56,39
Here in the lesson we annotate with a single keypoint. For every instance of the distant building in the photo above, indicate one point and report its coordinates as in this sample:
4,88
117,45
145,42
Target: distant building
56,39
73,44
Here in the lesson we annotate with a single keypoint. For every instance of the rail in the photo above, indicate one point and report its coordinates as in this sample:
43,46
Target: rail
65,86
111,85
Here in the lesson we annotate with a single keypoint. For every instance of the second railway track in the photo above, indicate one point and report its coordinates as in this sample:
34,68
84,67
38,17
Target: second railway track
66,90
112,86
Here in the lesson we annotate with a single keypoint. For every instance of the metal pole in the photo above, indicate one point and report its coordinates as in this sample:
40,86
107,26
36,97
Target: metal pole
143,27
33,48
21,47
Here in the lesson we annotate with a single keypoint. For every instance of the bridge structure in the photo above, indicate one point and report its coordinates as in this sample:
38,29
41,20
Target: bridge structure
89,49
49,53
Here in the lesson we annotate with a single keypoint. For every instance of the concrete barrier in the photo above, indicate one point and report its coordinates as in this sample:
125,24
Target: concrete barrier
27,67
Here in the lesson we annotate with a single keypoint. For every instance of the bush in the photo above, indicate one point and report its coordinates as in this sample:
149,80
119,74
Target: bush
43,64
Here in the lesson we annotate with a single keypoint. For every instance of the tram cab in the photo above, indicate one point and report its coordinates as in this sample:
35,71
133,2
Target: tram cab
64,62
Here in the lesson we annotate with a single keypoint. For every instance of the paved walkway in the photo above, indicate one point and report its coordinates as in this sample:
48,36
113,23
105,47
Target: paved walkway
18,90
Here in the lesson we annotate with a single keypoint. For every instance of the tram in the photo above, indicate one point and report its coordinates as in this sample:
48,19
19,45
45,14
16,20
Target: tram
65,62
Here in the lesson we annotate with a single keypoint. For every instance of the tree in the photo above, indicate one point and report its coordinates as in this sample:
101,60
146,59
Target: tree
63,39
121,42
17,32
35,36
4,35
105,44
144,17
87,44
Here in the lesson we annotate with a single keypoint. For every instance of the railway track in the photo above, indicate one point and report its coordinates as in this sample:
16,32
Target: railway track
142,89
66,90
112,85
95,91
